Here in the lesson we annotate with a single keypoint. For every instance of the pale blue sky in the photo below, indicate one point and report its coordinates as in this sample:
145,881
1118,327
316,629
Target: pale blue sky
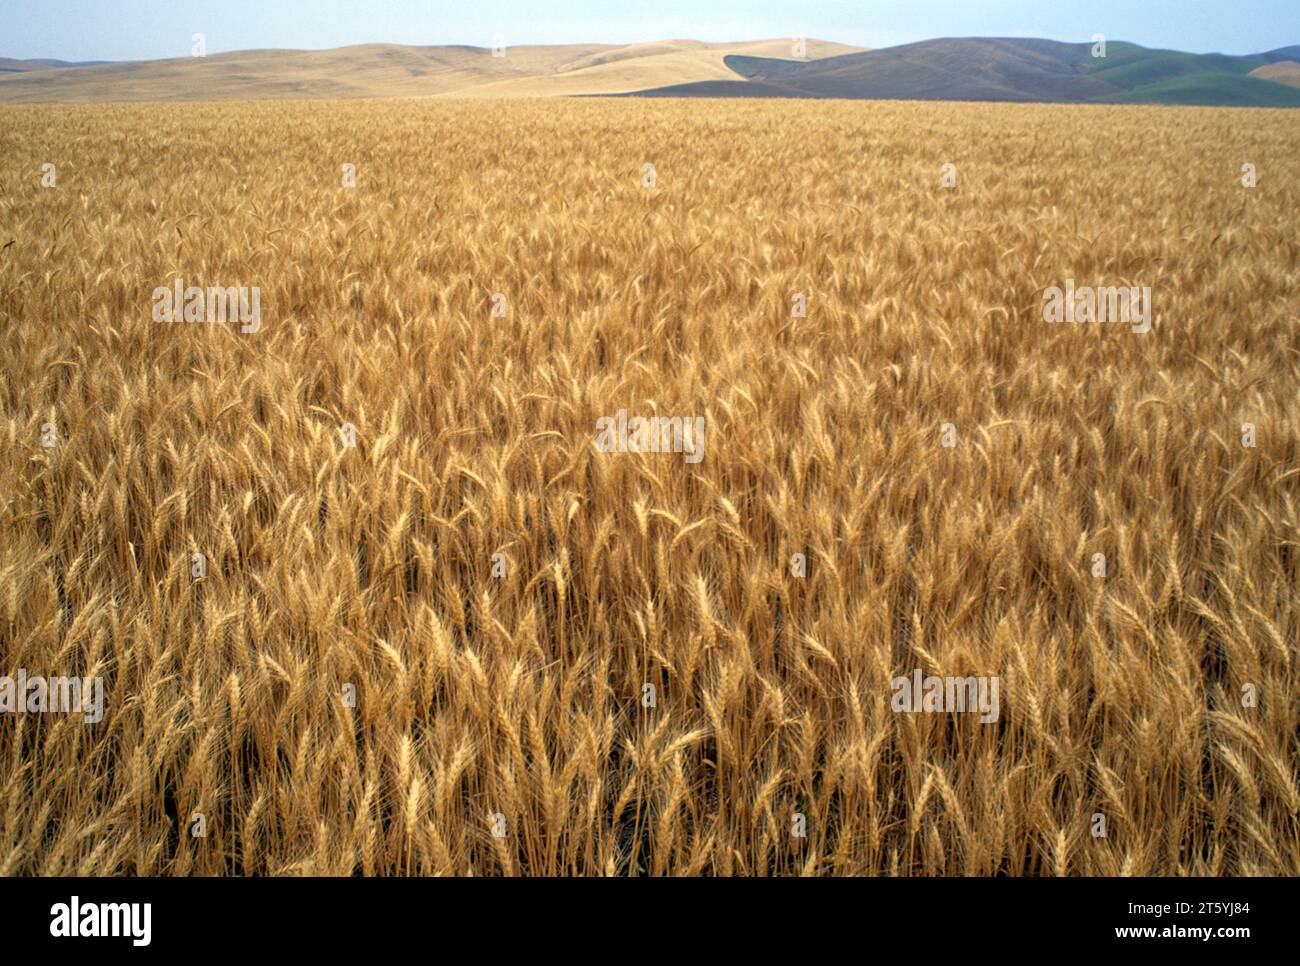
140,29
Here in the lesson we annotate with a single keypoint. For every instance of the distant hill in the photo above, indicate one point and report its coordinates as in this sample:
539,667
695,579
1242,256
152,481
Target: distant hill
1014,69
1282,53
10,66
960,69
392,70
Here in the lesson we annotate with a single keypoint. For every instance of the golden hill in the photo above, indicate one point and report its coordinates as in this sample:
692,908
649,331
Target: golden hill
639,67
1283,72
392,70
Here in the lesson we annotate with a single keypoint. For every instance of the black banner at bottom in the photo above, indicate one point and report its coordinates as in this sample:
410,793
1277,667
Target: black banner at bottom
335,916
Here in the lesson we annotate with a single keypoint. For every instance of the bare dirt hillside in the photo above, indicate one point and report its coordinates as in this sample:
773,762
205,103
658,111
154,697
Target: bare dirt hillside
1283,72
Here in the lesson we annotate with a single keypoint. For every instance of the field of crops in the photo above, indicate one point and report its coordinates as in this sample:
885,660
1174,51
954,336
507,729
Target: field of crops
368,593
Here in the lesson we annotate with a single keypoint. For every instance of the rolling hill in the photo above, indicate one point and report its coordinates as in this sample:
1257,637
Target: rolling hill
962,69
391,70
1013,69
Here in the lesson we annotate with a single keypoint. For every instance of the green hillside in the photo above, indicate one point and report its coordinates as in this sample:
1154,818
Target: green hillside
1017,69
1215,90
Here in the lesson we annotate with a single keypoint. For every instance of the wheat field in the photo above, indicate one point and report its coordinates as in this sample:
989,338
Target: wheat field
474,643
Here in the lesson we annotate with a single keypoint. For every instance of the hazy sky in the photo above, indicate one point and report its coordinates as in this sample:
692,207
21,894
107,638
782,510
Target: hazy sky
139,29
